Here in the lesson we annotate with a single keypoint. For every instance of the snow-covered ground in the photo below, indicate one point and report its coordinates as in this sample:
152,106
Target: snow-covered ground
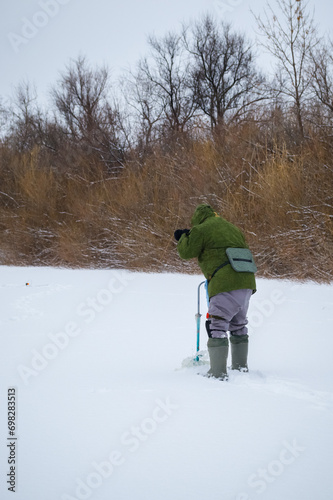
104,409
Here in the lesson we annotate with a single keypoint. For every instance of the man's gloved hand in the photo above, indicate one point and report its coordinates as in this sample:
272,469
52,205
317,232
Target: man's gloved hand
177,234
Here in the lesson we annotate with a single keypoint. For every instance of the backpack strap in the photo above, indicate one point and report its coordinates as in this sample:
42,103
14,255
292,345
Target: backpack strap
217,269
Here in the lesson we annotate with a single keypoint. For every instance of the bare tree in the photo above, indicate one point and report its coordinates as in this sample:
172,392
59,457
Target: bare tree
138,94
26,125
321,75
165,76
3,119
25,118
224,79
87,116
79,98
290,35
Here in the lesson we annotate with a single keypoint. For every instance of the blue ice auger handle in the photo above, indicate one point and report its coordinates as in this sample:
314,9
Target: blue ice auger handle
198,317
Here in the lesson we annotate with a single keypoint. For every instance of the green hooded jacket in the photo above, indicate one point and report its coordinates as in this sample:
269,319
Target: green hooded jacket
208,240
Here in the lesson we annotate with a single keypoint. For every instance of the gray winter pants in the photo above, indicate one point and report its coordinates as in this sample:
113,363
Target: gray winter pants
227,312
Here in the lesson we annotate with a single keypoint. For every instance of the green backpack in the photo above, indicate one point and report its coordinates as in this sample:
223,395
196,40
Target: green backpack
241,260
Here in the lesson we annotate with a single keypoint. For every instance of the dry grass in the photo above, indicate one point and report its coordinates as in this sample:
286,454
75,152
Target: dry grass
281,199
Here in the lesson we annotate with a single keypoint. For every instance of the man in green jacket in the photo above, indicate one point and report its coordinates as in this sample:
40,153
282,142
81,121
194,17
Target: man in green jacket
229,291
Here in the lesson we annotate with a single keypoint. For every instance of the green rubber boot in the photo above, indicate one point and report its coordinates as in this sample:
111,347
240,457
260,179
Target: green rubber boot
218,355
239,352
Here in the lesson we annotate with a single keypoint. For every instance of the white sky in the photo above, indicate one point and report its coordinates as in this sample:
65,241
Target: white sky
36,43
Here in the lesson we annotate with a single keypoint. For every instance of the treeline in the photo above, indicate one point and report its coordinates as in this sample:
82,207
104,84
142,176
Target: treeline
105,174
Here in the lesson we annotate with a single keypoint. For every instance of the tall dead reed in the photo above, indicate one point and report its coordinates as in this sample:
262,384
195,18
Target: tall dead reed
88,217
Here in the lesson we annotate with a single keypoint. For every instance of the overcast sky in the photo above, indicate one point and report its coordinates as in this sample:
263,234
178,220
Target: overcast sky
39,37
